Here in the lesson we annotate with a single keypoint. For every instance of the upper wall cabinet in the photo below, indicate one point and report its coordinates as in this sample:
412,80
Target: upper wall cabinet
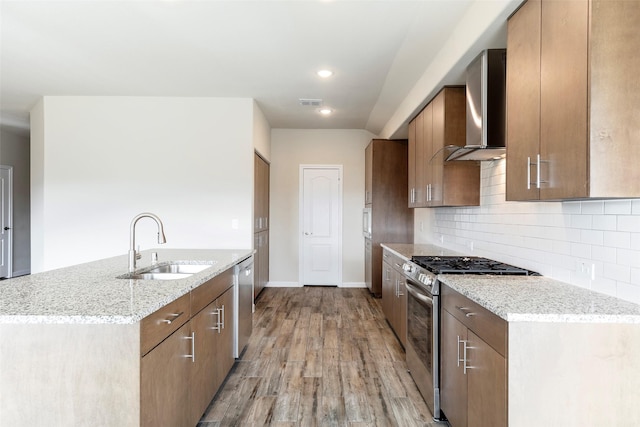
573,100
432,181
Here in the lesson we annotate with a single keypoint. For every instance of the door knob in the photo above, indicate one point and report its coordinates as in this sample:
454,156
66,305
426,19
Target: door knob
7,228
307,233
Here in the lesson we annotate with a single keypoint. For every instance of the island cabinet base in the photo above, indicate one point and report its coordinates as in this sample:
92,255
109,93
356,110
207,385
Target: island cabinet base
69,375
574,374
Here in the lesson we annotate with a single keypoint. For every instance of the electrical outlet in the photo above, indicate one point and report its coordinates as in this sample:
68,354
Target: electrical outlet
586,270
442,238
470,245
421,225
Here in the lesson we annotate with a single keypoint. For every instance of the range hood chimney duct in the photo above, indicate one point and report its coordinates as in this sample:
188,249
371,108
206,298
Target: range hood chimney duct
486,107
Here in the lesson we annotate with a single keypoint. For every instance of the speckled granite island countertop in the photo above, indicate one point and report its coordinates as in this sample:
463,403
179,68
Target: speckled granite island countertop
91,293
530,298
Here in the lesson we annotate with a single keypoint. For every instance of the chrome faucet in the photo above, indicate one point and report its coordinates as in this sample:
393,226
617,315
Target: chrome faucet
133,255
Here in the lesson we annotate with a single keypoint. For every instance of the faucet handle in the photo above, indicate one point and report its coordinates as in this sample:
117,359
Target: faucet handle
137,252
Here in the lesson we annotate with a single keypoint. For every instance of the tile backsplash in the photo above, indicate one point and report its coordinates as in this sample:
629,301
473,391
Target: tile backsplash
592,244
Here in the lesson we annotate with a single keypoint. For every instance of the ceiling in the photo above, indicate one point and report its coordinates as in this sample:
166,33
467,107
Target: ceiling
268,50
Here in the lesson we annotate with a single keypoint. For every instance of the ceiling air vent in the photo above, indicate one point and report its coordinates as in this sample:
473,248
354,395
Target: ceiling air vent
310,102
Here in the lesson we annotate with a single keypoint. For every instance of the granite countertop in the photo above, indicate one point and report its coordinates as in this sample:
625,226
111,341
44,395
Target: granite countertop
91,293
530,298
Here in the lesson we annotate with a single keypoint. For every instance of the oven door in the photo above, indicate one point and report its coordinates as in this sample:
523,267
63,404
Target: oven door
423,344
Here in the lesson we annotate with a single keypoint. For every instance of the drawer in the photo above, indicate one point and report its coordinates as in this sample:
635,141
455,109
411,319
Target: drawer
157,326
392,259
488,326
210,290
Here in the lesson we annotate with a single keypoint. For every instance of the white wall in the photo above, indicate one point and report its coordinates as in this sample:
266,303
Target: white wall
99,161
289,149
553,238
14,151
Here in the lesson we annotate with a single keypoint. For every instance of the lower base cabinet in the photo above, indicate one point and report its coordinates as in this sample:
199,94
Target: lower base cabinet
473,373
394,295
181,375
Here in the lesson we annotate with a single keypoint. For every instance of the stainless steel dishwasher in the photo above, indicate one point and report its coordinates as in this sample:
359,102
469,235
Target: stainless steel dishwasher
243,296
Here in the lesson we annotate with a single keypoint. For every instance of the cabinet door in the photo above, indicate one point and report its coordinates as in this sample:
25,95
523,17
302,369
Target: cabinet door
388,290
421,186
563,99
427,153
368,174
487,384
224,345
257,262
368,267
453,381
523,102
204,381
400,313
412,164
164,382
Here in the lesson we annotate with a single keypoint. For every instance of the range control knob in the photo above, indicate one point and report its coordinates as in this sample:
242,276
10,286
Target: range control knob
407,267
426,279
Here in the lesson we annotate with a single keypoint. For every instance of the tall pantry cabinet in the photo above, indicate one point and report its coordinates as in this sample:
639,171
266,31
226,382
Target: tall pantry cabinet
386,195
261,224
572,100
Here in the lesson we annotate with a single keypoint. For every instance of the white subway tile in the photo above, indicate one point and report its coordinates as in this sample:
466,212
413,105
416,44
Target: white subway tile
629,223
581,250
617,272
617,239
605,286
617,207
628,257
592,237
581,221
592,207
604,254
635,240
605,222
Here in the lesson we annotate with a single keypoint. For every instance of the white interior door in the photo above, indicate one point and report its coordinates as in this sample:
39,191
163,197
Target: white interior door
321,225
6,173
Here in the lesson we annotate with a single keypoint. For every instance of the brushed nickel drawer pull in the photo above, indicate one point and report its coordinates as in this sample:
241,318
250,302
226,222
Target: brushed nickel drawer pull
192,356
174,316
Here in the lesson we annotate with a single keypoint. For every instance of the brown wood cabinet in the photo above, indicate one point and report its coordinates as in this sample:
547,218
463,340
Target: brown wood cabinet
572,103
180,375
391,219
261,223
434,182
473,385
394,294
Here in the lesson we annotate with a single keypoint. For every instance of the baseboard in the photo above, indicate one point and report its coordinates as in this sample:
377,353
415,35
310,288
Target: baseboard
271,284
297,285
353,285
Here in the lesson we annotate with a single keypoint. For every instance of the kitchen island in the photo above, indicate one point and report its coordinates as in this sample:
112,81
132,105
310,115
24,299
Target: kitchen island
541,351
75,340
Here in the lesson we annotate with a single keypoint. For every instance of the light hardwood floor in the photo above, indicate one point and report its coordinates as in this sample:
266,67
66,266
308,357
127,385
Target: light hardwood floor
319,356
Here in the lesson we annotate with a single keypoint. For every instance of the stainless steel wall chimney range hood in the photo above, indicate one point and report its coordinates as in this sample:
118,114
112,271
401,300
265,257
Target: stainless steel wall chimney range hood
486,107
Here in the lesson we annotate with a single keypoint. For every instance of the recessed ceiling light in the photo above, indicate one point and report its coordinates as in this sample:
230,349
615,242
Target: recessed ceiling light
325,111
325,73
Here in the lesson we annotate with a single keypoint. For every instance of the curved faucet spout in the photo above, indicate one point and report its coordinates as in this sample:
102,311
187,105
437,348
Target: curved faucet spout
133,256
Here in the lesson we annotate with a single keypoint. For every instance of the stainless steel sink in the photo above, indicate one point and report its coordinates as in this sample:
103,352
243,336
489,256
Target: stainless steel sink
171,271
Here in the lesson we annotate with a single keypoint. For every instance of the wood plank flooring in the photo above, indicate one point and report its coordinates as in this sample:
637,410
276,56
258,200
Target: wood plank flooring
319,356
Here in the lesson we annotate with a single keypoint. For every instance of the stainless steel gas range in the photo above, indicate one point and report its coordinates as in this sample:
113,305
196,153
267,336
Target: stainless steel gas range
423,314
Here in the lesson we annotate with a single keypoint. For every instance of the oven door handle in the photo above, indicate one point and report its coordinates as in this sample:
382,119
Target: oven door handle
413,291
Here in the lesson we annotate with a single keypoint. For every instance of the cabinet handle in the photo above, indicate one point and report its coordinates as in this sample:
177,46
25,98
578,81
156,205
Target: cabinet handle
539,180
193,347
467,311
174,316
216,312
464,355
221,318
